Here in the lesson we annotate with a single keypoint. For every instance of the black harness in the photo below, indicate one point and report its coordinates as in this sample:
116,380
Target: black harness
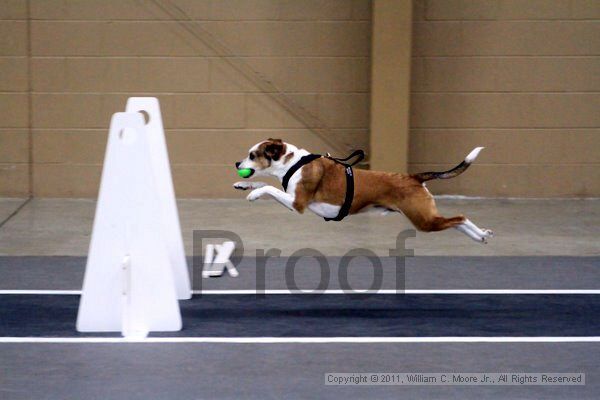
345,209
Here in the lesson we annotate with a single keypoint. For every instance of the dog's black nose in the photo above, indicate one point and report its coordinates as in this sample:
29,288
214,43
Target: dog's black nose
237,164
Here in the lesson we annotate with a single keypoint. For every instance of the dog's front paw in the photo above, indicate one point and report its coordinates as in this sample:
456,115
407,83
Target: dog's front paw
242,185
254,195
248,185
488,233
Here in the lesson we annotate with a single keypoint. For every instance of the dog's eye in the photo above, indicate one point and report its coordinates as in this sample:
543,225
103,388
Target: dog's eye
251,156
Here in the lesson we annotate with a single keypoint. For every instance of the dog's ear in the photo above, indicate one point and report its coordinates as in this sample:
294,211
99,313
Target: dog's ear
274,149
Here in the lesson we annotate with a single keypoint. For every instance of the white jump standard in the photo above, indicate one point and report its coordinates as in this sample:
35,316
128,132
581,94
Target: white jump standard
136,268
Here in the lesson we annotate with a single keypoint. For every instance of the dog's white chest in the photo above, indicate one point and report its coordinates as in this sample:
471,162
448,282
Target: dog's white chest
324,210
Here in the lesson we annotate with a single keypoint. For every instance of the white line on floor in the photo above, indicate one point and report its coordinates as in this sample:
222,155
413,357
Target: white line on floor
308,340
42,292
339,291
408,291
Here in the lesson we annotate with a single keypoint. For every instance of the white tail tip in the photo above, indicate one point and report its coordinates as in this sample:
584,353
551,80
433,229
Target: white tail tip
473,154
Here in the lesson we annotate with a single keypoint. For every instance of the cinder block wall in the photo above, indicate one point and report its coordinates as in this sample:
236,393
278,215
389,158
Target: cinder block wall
14,103
88,56
520,77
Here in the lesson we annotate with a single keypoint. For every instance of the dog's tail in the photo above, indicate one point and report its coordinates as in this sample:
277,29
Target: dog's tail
459,169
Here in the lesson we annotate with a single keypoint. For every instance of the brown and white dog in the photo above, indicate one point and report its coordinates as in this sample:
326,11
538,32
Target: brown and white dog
320,186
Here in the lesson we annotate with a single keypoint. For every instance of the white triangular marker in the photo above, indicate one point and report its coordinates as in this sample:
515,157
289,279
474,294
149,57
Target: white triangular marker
128,284
162,173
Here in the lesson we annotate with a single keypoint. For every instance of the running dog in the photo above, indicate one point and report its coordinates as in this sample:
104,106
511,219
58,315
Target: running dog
321,183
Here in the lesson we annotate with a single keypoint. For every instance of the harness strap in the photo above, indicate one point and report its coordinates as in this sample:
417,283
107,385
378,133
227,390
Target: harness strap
357,153
302,162
345,209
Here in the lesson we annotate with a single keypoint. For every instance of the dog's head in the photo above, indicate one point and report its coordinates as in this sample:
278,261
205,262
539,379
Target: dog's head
264,158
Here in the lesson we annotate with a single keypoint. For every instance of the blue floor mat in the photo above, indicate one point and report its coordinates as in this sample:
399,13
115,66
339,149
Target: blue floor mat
333,315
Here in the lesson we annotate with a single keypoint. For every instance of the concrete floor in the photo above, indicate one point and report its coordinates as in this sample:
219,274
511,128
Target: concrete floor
290,371
9,206
522,227
550,228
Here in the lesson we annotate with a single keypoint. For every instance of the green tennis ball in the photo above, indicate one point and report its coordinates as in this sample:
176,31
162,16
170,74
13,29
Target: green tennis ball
244,172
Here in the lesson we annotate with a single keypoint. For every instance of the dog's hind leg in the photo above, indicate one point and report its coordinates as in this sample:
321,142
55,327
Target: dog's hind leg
481,232
436,223
419,206
470,233
424,215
